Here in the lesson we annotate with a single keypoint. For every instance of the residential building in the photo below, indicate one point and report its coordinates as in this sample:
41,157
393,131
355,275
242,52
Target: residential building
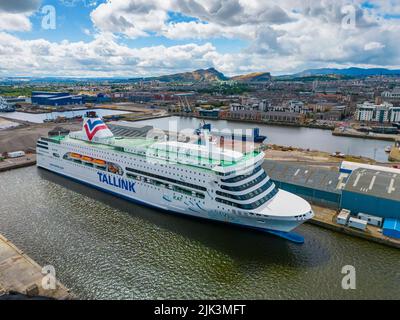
382,113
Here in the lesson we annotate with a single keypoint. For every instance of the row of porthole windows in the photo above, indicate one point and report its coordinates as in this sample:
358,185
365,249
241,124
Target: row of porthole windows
113,154
149,185
198,163
163,178
104,156
149,181
172,168
143,167
250,206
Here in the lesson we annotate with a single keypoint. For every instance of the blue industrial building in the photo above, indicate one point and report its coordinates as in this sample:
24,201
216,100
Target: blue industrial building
55,98
372,192
360,188
317,185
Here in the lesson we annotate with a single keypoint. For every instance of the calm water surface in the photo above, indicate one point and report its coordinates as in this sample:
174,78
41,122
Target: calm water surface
103,247
316,139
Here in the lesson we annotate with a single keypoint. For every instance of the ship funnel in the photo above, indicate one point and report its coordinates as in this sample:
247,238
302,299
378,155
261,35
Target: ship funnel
95,129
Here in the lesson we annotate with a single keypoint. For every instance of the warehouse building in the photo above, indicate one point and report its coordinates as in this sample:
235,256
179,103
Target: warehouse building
372,192
317,185
55,98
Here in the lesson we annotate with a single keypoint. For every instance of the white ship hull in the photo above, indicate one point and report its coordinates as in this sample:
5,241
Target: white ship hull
159,199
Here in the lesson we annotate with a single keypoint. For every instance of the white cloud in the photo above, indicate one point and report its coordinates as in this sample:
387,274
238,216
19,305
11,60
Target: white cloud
199,30
101,57
104,56
133,18
373,46
305,31
14,22
19,6
14,15
283,36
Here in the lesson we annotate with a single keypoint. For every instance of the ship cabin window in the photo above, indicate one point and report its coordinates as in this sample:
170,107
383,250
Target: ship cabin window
246,185
249,195
250,206
242,177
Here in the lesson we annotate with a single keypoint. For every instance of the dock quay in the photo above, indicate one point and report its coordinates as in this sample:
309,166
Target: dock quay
15,163
395,151
19,273
266,122
368,190
325,218
355,134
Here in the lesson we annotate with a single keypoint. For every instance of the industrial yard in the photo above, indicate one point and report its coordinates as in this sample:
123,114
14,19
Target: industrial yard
369,193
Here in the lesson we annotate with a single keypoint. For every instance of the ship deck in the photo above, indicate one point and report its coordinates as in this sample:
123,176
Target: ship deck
121,144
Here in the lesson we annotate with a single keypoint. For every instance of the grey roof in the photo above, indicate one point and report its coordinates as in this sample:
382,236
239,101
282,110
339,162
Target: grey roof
65,97
307,176
129,131
43,96
375,183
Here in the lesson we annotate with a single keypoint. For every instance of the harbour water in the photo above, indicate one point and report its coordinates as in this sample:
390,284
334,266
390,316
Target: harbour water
41,117
315,139
104,247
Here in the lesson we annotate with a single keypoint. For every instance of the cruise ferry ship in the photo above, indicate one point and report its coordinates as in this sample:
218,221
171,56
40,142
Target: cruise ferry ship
202,181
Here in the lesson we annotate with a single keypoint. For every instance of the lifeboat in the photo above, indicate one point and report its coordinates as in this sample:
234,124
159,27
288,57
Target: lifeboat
98,162
86,159
75,156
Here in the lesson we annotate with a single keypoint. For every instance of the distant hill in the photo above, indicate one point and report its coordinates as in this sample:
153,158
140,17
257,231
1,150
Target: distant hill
208,75
350,72
201,75
253,77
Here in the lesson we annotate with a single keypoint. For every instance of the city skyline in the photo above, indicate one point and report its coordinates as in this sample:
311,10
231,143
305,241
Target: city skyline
88,38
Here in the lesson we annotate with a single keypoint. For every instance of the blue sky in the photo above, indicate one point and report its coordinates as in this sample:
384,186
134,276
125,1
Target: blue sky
73,19
152,37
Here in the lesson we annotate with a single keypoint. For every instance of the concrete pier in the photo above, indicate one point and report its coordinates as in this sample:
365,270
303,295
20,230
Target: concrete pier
326,218
20,273
15,163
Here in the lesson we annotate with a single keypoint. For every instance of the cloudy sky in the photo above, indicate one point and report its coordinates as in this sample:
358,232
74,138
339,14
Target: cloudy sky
153,37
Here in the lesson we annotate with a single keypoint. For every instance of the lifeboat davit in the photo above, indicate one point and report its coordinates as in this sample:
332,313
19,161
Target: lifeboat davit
100,163
86,159
75,156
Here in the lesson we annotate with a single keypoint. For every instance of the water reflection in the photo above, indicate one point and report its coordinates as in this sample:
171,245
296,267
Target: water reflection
307,138
238,243
104,247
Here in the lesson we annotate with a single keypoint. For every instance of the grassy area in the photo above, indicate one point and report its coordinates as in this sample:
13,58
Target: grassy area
14,91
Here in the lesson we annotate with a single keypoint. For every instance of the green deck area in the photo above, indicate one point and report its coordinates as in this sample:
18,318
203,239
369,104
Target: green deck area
121,144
